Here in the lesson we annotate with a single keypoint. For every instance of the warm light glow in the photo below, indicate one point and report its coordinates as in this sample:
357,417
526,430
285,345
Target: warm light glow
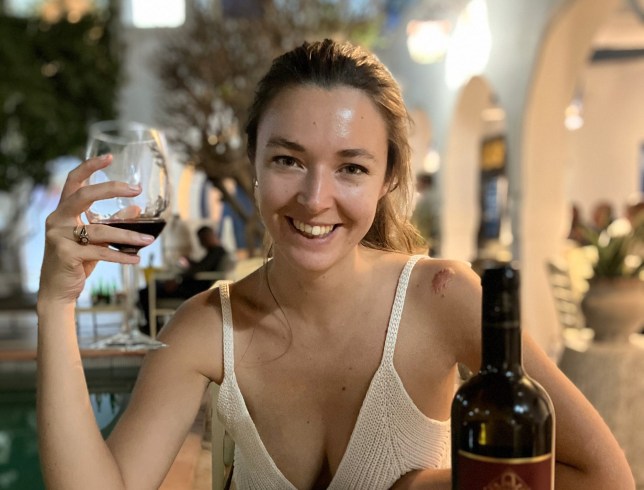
182,202
431,162
52,11
573,115
148,14
427,41
470,45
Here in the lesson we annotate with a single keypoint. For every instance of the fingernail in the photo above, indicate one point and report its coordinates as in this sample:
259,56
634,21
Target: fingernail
104,157
134,187
147,238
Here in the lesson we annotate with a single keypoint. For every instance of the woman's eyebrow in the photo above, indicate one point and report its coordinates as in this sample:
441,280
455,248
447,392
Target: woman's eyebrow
356,152
278,141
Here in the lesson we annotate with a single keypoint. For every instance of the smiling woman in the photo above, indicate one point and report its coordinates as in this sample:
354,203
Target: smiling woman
337,359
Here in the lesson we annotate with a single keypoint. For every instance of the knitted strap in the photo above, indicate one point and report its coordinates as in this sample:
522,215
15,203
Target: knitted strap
227,319
397,309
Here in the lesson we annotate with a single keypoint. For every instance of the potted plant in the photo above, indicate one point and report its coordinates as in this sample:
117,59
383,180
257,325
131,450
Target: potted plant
613,306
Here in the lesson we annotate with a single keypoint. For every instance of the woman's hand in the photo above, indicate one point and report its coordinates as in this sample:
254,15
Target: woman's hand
425,480
67,263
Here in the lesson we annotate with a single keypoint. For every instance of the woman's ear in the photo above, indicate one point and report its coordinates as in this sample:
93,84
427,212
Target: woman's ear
384,190
387,187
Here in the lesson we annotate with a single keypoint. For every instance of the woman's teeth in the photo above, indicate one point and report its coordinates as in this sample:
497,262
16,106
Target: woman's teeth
316,230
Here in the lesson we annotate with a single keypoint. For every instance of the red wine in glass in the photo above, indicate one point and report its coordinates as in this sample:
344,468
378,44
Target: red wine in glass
152,227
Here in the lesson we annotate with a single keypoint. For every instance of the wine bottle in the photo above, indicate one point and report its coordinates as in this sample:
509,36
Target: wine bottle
502,420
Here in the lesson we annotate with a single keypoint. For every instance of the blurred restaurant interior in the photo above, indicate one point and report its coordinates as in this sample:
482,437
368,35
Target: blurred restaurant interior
528,117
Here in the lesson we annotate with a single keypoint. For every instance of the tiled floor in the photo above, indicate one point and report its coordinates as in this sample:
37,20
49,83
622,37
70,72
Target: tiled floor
18,331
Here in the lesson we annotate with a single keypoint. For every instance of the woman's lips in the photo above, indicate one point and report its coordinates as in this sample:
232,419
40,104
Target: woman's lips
312,230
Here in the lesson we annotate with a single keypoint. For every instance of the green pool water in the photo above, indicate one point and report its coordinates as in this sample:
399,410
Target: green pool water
19,461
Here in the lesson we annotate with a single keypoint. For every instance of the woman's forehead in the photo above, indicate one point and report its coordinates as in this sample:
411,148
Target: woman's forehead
336,114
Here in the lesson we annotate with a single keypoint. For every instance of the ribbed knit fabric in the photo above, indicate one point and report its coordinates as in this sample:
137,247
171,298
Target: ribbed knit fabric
391,436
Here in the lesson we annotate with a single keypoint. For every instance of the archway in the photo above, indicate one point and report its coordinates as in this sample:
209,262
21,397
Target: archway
459,177
544,218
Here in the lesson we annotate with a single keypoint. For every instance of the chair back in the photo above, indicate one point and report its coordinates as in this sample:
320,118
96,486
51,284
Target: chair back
222,446
566,301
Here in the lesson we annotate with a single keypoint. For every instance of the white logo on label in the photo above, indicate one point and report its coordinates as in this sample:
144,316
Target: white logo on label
508,480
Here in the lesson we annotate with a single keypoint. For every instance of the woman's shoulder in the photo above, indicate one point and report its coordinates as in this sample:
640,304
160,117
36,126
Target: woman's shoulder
445,295
194,334
440,276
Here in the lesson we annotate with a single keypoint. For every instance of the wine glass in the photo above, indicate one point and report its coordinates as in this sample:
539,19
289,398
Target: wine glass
139,157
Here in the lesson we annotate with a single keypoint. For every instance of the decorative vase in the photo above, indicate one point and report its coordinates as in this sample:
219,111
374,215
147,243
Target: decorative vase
614,308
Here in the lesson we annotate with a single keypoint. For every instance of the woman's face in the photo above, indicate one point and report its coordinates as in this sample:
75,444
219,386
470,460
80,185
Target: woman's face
321,160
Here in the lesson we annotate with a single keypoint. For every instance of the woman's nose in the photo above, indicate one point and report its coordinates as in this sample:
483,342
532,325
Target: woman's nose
317,192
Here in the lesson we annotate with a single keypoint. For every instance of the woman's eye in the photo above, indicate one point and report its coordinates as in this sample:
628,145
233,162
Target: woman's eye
353,169
285,161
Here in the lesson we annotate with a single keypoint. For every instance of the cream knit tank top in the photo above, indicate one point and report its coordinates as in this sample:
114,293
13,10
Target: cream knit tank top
391,436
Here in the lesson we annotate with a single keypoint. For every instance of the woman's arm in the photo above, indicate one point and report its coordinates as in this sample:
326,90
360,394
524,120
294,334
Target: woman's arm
168,393
588,455
425,480
72,451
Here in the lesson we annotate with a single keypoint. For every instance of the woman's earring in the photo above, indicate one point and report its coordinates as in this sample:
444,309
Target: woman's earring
255,183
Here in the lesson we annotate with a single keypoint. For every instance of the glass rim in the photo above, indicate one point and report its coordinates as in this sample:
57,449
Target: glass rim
109,130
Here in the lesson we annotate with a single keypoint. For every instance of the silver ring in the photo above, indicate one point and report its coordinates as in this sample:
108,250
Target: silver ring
80,233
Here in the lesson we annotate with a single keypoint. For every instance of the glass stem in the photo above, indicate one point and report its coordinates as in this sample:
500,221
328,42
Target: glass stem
130,289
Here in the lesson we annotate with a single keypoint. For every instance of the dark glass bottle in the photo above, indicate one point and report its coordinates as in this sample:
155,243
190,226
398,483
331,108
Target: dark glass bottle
502,421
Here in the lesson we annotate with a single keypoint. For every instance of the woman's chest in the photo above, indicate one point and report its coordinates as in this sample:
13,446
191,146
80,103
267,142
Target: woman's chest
305,409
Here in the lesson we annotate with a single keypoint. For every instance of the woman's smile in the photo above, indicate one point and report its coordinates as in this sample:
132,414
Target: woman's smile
312,230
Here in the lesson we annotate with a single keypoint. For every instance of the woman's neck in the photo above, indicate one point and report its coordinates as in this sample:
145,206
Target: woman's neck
317,298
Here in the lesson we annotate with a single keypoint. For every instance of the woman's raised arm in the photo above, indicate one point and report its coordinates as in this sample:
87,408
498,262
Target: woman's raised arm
72,451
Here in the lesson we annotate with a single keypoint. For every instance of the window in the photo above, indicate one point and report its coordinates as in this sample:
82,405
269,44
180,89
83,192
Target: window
146,14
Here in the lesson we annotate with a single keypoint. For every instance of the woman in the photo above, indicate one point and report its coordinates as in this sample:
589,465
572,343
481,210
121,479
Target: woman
313,338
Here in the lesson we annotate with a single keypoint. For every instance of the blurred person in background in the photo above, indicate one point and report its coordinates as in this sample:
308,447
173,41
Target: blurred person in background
187,283
426,217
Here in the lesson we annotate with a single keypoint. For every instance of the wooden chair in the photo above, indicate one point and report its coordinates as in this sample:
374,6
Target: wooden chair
563,293
222,447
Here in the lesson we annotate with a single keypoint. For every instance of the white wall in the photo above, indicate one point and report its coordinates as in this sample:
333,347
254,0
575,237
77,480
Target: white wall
604,153
141,89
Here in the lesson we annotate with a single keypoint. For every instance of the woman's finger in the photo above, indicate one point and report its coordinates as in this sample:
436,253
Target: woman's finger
80,200
77,177
98,234
67,262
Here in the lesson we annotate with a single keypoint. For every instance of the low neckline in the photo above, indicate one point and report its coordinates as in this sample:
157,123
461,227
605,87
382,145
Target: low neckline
385,366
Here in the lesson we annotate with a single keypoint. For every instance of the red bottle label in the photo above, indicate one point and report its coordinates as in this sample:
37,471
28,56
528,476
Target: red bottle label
484,473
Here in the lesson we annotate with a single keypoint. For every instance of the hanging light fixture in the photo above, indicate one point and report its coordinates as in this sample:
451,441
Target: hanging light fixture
427,40
470,45
429,31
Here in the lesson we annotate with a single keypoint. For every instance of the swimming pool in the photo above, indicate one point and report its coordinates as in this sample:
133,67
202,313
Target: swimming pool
110,383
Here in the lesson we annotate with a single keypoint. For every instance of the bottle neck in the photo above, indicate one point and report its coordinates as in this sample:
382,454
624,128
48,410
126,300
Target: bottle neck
502,348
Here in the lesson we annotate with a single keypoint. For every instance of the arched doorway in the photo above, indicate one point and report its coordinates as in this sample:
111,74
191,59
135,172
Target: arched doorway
565,48
461,169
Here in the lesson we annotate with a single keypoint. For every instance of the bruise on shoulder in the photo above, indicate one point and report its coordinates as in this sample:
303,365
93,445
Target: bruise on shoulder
441,280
